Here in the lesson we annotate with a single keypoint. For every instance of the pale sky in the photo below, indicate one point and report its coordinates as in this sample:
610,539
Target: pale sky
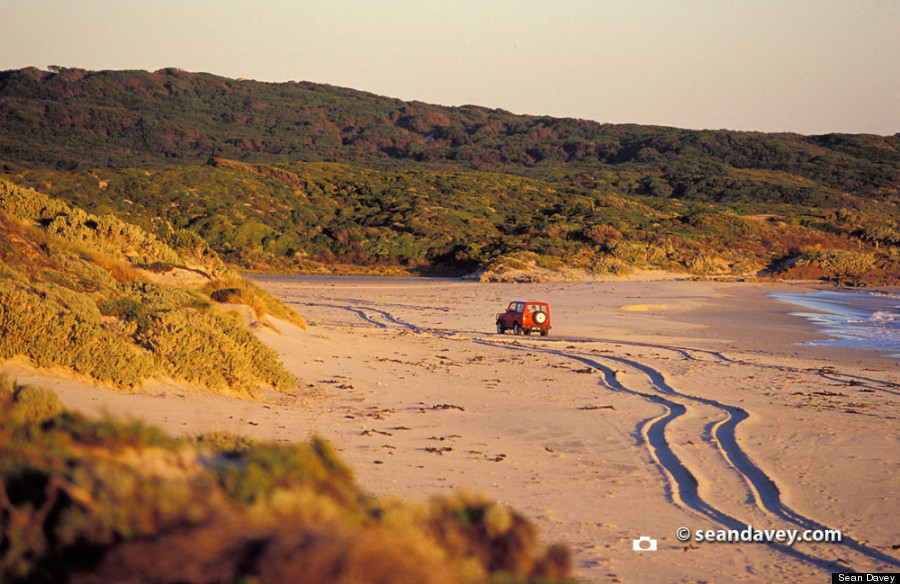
807,66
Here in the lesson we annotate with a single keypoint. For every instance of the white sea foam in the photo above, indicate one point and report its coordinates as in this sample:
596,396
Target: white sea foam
853,320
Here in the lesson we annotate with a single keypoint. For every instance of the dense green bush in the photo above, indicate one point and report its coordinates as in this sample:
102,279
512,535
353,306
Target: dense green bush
64,305
840,263
213,350
105,234
29,403
50,331
325,217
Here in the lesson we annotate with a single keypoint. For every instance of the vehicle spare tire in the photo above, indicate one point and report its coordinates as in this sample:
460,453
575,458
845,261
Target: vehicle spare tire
540,317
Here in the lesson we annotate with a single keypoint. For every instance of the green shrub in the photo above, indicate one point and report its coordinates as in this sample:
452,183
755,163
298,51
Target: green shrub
611,265
253,474
159,267
28,203
50,331
105,234
838,262
213,350
36,404
550,263
127,309
27,403
158,297
195,250
79,307
225,442
114,434
181,337
7,389
707,265
641,254
228,296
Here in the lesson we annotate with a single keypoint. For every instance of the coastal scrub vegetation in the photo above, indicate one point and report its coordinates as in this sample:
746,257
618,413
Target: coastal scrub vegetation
74,292
312,178
326,218
85,500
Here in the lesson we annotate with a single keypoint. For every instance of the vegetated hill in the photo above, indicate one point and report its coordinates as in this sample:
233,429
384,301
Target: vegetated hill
98,296
304,176
74,118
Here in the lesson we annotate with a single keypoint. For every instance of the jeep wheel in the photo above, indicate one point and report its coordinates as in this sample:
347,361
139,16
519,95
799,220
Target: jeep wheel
500,328
545,332
540,317
517,330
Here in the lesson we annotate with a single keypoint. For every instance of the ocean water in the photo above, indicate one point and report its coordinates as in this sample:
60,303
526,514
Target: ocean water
853,320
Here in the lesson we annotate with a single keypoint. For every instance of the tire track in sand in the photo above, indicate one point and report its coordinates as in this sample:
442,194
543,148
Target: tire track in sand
369,315
682,485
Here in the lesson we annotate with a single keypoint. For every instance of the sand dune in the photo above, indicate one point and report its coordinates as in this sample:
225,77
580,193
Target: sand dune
651,406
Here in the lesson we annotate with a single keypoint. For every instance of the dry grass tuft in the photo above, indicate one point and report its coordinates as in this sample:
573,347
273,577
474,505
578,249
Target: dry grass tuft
233,289
121,271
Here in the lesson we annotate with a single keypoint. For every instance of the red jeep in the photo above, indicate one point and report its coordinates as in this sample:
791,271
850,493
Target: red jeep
525,318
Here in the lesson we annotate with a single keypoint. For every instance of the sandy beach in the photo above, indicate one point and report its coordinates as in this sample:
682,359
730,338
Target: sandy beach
651,406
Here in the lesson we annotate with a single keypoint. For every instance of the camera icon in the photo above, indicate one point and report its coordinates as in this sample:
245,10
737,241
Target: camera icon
644,544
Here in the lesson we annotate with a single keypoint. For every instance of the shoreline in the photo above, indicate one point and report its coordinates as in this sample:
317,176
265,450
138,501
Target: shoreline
421,397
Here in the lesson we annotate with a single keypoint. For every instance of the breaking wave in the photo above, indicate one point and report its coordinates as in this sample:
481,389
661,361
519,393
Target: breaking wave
853,320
